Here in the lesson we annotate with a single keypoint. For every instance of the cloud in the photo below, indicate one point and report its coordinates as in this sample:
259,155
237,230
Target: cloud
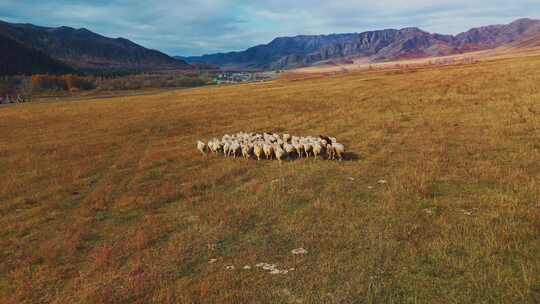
191,27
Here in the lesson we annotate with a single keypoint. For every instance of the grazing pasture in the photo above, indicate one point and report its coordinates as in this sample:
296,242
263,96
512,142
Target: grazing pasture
109,201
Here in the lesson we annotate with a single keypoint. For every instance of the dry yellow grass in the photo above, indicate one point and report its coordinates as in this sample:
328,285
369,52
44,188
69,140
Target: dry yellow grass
108,201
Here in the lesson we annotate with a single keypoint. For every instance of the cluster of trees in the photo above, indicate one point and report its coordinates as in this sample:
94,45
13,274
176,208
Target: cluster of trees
14,86
7,86
71,83
14,89
152,81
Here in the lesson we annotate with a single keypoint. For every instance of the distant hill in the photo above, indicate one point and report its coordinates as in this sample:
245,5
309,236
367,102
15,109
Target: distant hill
199,65
85,50
382,45
17,59
497,35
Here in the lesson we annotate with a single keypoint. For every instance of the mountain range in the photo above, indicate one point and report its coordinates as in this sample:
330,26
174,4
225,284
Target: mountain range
57,50
381,45
31,49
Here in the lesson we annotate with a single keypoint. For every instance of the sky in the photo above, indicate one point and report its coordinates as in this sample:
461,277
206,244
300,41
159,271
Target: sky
196,27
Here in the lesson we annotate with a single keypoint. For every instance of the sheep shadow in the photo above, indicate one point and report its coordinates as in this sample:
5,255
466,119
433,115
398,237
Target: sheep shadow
348,156
351,156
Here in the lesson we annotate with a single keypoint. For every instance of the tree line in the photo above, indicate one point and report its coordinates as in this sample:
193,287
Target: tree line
14,88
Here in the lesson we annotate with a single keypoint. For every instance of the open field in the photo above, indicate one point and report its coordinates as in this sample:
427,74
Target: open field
108,201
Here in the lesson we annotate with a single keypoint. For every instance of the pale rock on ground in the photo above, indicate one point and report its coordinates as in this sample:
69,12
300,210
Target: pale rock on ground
271,268
299,251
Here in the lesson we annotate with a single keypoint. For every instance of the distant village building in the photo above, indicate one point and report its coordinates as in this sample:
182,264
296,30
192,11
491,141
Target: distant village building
229,77
12,99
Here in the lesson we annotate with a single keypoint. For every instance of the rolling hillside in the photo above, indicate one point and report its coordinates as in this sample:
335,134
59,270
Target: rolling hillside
83,49
437,202
17,59
384,45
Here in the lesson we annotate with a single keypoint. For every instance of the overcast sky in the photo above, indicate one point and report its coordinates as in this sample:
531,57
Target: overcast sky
195,27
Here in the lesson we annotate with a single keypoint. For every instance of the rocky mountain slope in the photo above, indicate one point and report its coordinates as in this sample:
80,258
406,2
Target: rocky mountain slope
389,44
17,59
83,49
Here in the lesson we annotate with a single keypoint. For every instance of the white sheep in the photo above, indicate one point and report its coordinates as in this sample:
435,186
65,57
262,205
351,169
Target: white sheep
219,146
247,150
280,153
269,138
226,147
211,146
289,149
215,145
317,149
307,148
286,138
201,146
258,151
338,150
235,149
299,149
243,144
330,152
268,150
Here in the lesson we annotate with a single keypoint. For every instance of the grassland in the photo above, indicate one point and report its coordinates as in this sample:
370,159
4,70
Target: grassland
107,201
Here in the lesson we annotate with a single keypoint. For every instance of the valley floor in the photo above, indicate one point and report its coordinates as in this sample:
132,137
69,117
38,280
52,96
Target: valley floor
108,201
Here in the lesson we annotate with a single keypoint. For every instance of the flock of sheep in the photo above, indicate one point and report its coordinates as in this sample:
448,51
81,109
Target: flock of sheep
272,146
